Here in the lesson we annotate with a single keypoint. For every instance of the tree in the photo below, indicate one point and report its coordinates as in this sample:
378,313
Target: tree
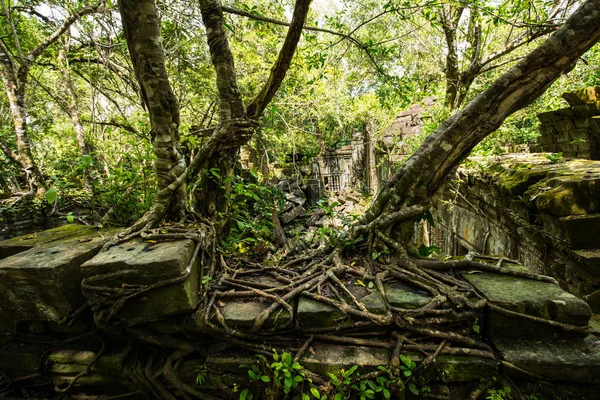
236,124
14,69
467,28
410,192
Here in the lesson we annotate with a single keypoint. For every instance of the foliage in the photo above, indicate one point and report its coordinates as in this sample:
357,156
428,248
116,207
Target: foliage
498,394
282,375
249,217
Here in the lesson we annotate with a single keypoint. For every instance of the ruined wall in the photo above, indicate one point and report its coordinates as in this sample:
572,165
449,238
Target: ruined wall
573,131
546,215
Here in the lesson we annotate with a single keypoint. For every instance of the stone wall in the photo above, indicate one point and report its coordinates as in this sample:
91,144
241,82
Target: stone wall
573,131
545,215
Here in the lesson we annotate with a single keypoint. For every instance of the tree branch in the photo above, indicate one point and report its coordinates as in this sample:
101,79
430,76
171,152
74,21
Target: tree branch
278,72
90,9
231,105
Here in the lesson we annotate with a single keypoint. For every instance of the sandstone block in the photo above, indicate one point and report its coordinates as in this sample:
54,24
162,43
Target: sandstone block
43,283
141,263
539,299
18,244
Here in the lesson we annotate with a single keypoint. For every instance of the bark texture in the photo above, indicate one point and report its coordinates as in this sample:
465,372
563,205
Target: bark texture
237,122
73,109
14,73
142,31
411,189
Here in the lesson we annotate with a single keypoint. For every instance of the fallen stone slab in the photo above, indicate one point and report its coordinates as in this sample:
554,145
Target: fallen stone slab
18,244
242,314
289,216
561,360
539,299
43,283
328,357
144,263
314,314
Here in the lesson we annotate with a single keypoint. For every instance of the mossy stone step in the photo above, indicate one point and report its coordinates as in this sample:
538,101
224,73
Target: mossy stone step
539,299
553,359
18,244
43,283
145,263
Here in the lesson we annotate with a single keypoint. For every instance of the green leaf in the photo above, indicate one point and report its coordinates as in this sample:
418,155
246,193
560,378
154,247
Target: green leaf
413,388
305,396
50,195
265,378
386,394
315,392
70,218
338,396
244,394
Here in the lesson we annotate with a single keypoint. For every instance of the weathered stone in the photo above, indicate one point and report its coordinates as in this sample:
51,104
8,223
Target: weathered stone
289,216
314,314
327,357
242,314
591,257
18,244
562,360
586,95
142,263
43,283
539,299
593,300
582,231
21,356
333,357
571,195
398,295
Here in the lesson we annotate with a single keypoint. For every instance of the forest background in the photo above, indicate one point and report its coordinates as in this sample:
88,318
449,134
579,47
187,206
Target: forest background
357,65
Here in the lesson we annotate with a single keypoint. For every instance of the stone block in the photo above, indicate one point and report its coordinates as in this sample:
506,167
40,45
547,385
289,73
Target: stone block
398,295
586,95
561,360
43,283
289,216
328,357
593,300
539,299
18,244
576,194
581,231
591,258
142,263
314,314
242,314
24,357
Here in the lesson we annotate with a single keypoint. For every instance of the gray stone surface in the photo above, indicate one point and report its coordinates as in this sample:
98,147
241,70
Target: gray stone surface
289,216
242,314
539,299
18,244
314,314
143,263
398,295
560,360
43,283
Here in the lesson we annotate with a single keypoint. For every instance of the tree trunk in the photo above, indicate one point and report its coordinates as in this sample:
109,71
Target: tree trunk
412,188
71,104
15,91
212,200
142,31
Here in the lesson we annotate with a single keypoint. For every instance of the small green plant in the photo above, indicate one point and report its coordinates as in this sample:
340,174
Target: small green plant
498,394
476,327
407,367
578,140
202,375
283,374
341,382
554,157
